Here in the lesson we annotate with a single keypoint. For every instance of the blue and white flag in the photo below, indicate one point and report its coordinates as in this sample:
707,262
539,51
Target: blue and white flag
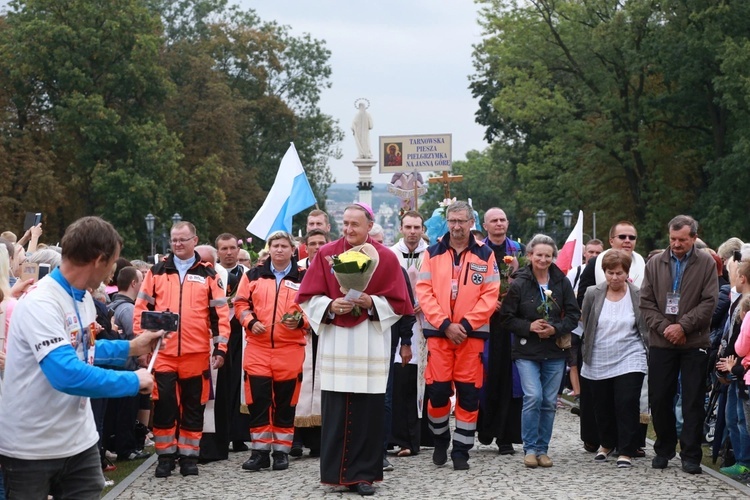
290,194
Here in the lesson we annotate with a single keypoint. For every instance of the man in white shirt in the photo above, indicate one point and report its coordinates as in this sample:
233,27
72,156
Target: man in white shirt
49,439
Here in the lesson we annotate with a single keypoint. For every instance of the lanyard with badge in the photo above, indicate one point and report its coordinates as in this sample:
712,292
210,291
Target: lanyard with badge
455,277
673,298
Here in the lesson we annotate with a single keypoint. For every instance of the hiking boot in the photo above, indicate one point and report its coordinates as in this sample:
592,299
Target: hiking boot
460,463
188,466
165,466
280,460
440,455
257,461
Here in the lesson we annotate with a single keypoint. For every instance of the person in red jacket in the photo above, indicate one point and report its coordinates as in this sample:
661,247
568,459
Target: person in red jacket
457,288
275,331
182,284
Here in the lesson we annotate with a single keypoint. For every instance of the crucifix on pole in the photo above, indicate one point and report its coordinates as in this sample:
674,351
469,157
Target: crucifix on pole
445,179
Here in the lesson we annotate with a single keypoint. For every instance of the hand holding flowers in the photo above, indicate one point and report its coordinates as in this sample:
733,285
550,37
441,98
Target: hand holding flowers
353,270
548,301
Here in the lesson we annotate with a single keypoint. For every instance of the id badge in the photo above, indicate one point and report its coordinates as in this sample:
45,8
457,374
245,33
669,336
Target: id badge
454,289
673,304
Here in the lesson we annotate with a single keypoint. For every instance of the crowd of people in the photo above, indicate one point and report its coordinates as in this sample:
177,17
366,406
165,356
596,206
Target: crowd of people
281,355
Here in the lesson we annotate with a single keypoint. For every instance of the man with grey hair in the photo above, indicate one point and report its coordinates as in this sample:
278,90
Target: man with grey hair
354,354
678,298
376,233
457,288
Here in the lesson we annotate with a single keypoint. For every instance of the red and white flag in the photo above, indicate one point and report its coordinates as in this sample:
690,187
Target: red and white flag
571,254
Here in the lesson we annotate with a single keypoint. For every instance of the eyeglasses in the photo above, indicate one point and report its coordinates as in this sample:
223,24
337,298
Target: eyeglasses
457,222
181,240
624,237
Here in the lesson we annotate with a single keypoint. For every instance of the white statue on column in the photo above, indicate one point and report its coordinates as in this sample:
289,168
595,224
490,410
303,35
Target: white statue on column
361,127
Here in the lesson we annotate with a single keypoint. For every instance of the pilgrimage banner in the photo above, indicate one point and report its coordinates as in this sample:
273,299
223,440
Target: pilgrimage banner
407,153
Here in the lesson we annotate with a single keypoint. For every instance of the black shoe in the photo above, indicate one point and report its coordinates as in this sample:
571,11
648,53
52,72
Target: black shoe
460,463
387,466
314,452
505,449
134,455
363,489
639,453
576,410
165,466
280,460
296,450
659,462
440,455
257,461
691,467
188,466
239,446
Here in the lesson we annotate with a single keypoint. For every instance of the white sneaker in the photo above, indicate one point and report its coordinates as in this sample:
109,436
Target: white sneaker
148,442
110,455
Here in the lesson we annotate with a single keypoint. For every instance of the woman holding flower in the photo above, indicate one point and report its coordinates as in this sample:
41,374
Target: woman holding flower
540,310
275,332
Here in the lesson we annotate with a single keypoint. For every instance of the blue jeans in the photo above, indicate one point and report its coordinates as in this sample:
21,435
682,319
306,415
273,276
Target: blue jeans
79,476
539,381
736,426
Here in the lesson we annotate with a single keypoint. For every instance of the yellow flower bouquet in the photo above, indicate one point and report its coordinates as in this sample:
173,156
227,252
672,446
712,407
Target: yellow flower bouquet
354,269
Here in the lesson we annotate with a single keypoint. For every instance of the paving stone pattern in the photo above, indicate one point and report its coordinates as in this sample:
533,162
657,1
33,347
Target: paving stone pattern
573,476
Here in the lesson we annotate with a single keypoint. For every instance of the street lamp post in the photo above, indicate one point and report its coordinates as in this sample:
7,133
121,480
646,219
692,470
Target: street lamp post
150,227
541,221
150,219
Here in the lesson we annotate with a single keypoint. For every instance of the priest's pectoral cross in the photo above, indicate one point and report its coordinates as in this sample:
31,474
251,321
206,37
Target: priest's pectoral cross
445,179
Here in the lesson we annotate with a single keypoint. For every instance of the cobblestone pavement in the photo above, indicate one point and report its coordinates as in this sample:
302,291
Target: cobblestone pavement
574,475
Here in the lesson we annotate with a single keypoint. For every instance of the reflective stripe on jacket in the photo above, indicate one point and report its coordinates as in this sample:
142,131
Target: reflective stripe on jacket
199,300
478,288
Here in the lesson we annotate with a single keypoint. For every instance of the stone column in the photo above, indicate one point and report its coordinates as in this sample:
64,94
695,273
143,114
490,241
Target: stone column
364,165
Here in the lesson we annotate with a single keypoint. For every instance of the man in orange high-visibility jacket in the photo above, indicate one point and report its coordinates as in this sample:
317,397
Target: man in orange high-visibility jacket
457,288
182,284
275,331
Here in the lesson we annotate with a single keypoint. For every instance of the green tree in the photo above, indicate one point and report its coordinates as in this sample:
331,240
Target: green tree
622,108
89,72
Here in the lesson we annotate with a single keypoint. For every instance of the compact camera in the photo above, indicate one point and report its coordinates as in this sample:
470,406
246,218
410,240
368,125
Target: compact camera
155,320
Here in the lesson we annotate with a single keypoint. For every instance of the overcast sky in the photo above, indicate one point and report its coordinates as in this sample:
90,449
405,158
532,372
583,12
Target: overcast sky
410,58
